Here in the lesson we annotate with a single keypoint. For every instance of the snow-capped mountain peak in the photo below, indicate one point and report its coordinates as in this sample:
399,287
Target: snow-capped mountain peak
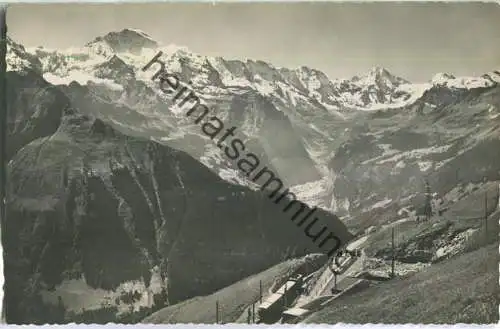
116,58
375,89
379,76
18,58
126,40
450,81
441,77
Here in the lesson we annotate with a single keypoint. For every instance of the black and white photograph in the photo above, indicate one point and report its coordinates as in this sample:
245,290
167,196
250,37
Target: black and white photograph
250,163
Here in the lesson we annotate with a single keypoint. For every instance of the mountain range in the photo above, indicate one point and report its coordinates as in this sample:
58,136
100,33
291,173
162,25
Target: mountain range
110,182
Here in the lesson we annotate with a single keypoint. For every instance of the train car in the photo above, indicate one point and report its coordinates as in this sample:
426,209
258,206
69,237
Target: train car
271,309
294,315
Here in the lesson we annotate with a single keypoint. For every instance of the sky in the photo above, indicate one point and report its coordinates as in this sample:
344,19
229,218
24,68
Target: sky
411,40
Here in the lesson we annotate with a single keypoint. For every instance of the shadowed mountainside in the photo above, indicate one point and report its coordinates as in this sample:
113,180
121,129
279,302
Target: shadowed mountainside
87,200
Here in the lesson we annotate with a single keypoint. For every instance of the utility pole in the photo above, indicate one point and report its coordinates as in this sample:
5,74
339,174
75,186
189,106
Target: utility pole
486,216
428,201
284,298
393,255
217,312
498,196
260,291
3,121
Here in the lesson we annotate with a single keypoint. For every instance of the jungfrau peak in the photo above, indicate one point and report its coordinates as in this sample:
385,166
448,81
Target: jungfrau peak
126,40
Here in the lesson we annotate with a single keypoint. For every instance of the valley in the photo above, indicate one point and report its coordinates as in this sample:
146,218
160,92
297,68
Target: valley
120,209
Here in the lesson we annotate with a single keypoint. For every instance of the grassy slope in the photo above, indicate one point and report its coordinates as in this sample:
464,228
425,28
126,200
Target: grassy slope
470,206
404,301
463,289
234,299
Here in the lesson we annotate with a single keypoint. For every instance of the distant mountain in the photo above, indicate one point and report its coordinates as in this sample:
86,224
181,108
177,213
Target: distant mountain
92,207
127,40
311,112
361,147
448,80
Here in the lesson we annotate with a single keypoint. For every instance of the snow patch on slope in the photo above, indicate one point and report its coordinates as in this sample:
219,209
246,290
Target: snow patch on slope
82,78
396,156
77,295
313,193
450,81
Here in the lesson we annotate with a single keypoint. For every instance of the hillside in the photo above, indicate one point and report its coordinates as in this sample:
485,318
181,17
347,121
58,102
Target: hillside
461,290
89,203
234,299
347,146
119,205
426,252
